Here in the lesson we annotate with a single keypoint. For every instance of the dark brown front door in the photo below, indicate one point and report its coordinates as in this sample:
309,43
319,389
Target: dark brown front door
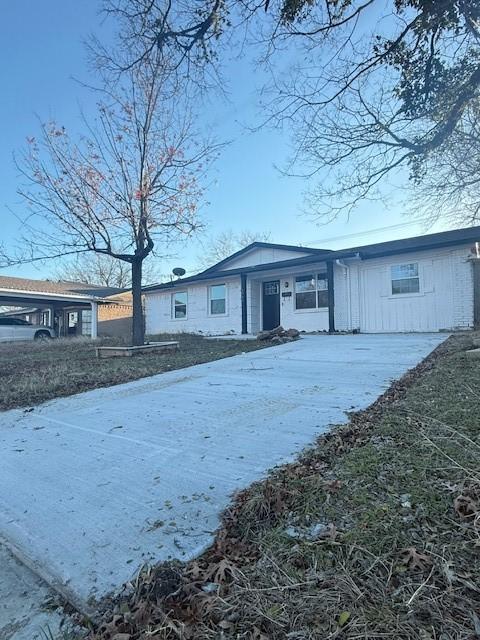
271,304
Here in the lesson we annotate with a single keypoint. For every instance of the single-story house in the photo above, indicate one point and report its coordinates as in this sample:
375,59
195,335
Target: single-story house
71,308
425,283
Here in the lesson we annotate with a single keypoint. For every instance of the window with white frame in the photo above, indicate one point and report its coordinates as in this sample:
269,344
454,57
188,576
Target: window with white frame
218,299
87,322
179,305
322,290
405,278
311,291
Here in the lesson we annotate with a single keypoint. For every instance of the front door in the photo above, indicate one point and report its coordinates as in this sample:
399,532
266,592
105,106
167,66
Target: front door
72,323
271,304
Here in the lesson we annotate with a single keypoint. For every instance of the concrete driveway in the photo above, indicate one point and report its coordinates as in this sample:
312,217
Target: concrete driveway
95,485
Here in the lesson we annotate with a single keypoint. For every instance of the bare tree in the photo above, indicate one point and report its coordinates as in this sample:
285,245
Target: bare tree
183,33
382,89
131,181
221,246
450,187
104,270
386,101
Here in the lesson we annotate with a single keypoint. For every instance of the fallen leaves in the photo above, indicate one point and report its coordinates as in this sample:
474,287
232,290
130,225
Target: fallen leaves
333,486
466,507
258,635
414,560
220,572
343,618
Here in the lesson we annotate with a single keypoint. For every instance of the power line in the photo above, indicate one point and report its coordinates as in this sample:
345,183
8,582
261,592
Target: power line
369,232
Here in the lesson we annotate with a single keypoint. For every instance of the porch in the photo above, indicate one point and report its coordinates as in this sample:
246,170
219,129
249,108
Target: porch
303,298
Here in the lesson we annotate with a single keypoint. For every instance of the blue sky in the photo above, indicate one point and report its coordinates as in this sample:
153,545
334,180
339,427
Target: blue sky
41,47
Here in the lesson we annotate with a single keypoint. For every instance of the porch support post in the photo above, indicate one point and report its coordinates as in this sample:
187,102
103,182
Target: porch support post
243,280
94,319
331,298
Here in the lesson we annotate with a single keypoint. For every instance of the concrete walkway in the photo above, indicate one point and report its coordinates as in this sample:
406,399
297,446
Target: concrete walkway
95,485
25,603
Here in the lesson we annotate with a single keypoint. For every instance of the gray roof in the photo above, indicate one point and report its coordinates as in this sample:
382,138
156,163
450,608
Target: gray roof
364,252
29,285
265,245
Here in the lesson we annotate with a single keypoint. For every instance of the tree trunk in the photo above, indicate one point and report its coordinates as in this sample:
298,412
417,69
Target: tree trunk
138,324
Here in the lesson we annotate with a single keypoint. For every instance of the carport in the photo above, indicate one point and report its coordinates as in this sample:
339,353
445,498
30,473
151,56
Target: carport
57,309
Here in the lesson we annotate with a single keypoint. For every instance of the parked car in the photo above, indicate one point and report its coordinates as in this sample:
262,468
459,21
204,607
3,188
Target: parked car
14,329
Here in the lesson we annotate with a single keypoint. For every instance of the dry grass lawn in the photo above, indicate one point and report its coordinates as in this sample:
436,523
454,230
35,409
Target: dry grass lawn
373,533
32,372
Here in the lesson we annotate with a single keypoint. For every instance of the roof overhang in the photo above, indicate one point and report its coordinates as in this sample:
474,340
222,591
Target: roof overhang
18,296
230,273
441,240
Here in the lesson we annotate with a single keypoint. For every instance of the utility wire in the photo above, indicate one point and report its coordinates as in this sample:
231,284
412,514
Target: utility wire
360,234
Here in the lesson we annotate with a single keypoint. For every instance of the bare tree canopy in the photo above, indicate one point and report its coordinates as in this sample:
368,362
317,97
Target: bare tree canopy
392,96
382,86
131,181
183,34
221,246
450,184
96,268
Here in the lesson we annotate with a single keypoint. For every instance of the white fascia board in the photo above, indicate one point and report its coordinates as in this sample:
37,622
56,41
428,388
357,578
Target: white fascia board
24,293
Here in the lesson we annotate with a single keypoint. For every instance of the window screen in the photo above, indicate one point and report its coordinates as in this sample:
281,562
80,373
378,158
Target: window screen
405,278
179,304
311,291
218,299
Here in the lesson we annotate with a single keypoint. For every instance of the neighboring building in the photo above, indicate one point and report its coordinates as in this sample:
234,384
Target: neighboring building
424,283
72,308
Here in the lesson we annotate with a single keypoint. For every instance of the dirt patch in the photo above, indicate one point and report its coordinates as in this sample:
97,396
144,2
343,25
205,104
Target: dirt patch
372,533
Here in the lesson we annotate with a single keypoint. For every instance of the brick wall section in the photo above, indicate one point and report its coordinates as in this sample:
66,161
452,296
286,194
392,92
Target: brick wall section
114,311
462,290
115,320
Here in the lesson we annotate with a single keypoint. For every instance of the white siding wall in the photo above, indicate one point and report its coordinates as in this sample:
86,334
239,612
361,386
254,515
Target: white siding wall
445,300
262,256
342,289
346,307
302,319
354,290
158,311
317,319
